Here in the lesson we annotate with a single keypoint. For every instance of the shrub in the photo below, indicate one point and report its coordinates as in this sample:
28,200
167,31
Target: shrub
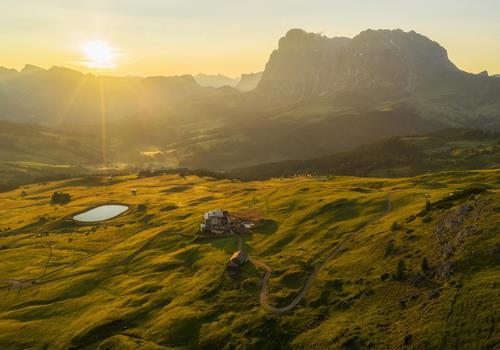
410,218
145,173
384,276
396,226
461,195
60,198
427,209
390,249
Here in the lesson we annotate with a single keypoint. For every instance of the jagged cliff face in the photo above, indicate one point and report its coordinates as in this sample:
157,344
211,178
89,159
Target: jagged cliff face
308,65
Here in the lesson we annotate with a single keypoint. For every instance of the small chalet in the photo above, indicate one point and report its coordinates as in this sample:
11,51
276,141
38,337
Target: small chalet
237,259
216,221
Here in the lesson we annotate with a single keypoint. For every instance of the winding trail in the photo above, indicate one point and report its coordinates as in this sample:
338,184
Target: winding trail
16,284
263,297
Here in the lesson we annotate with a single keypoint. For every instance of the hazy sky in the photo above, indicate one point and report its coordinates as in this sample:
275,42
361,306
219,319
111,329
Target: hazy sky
229,36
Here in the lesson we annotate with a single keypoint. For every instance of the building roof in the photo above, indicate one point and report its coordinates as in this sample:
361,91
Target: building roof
239,257
217,213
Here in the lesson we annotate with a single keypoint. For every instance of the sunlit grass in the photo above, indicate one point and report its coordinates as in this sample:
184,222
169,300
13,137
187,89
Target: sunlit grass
144,279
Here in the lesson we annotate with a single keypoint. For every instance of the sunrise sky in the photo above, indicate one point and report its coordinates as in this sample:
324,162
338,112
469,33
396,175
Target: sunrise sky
170,37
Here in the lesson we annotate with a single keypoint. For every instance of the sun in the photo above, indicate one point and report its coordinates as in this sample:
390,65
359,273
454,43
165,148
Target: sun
99,54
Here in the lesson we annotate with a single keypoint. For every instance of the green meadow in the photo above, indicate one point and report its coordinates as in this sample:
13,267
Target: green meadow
147,279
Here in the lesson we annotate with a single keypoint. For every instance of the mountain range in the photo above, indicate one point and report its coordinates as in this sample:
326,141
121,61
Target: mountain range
63,96
215,80
316,97
246,82
359,184
394,62
249,82
377,66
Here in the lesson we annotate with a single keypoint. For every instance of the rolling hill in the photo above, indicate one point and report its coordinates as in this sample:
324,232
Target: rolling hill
444,150
416,257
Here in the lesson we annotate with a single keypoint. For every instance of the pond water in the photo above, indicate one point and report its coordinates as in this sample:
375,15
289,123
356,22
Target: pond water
104,212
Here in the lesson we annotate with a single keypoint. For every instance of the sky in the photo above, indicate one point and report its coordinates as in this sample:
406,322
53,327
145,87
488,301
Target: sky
170,37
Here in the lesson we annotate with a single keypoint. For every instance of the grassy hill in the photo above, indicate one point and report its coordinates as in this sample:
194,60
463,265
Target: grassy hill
396,261
444,150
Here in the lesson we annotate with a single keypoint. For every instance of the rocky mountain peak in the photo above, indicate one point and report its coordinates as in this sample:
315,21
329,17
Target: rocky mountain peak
249,81
308,64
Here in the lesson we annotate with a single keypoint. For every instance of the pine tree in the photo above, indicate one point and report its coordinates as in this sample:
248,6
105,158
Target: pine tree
425,265
428,206
401,270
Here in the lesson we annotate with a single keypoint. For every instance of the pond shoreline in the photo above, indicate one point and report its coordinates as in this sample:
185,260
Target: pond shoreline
94,215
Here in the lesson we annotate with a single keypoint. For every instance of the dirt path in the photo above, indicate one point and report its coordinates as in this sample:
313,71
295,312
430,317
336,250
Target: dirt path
263,297
239,239
15,284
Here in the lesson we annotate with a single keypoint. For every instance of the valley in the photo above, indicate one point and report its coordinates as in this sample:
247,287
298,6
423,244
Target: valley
316,97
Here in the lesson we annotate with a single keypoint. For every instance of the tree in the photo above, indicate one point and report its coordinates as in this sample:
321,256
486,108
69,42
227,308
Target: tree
396,226
400,271
425,265
428,206
60,198
390,249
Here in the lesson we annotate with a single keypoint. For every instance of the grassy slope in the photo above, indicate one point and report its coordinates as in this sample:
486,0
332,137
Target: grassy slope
145,281
444,150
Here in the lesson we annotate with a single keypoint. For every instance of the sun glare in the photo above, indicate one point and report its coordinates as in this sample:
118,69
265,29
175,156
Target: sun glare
99,54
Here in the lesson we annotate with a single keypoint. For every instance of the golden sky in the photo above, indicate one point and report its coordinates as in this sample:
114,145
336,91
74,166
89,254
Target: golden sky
168,37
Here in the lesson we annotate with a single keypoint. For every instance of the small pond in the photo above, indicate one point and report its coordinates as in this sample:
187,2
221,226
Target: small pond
103,212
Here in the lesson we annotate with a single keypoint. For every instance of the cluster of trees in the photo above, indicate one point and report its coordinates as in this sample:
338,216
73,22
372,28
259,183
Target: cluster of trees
401,272
60,198
396,156
184,172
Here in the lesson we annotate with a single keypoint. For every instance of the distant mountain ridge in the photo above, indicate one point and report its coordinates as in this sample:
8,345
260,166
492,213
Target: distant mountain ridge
378,67
246,82
215,80
58,94
317,96
249,82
